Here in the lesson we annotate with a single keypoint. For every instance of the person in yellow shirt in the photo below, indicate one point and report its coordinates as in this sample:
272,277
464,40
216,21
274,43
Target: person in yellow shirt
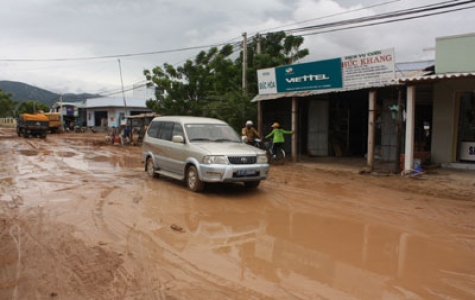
250,133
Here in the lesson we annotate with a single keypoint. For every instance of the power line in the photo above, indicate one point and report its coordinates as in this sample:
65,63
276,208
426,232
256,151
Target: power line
436,6
386,22
379,19
400,13
109,56
332,15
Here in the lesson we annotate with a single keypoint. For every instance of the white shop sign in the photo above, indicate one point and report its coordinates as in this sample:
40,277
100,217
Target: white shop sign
467,151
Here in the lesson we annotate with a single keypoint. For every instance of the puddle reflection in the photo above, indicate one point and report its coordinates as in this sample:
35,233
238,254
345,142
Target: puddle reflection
369,261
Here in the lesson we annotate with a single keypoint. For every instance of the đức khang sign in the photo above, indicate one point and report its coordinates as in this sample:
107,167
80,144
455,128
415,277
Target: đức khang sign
349,72
368,69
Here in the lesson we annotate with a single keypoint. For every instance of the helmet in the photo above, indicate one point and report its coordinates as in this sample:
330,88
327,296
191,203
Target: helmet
249,123
275,125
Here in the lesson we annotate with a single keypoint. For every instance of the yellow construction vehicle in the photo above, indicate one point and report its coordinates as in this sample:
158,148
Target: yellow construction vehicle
54,121
32,125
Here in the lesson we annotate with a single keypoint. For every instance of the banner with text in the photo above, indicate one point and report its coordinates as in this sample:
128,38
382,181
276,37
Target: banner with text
356,71
325,74
368,69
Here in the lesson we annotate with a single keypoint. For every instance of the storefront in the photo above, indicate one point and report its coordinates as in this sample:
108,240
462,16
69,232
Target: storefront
466,122
437,106
327,103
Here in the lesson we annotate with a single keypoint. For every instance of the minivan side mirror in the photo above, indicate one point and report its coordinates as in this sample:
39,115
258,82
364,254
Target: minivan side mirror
178,139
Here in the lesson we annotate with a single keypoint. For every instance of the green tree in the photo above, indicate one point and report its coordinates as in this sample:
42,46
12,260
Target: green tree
211,84
277,49
32,107
7,105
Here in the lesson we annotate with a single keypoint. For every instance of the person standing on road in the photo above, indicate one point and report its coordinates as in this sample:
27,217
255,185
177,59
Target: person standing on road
127,134
250,133
278,137
112,135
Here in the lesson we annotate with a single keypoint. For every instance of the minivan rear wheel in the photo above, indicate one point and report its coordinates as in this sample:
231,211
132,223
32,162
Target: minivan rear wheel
193,180
150,168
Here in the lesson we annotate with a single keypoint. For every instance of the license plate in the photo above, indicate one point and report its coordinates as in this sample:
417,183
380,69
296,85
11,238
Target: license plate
246,172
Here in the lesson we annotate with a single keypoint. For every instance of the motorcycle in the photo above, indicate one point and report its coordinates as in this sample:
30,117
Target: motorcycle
267,144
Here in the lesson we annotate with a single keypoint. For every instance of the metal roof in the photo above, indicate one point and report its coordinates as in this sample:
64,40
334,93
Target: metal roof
319,92
414,65
436,77
144,115
76,104
115,102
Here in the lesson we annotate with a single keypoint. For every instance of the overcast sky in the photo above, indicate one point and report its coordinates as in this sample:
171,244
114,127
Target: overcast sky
57,29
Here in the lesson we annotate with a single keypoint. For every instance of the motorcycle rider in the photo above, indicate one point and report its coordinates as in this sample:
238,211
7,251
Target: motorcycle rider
250,133
278,137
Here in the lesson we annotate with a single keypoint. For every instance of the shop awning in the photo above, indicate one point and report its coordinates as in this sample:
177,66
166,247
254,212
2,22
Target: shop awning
437,77
300,94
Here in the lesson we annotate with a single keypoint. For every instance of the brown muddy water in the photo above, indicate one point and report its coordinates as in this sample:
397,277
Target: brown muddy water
79,219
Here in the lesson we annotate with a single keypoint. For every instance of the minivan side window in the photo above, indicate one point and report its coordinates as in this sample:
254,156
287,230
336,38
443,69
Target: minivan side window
165,132
178,130
154,129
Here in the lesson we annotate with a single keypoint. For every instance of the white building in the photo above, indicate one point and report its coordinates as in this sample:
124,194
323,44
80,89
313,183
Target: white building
112,111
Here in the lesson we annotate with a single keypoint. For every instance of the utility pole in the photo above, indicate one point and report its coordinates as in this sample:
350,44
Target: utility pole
259,103
258,46
244,62
123,92
61,111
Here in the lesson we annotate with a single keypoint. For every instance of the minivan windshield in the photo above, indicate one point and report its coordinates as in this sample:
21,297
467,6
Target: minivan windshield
220,133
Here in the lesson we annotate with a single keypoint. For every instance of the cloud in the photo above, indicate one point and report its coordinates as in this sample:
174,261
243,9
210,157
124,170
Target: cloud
49,29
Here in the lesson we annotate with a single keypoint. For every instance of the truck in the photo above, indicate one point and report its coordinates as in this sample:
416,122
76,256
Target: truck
54,121
32,125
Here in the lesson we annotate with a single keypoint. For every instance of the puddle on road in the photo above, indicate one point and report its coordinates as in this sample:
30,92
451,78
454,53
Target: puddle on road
28,152
65,154
336,256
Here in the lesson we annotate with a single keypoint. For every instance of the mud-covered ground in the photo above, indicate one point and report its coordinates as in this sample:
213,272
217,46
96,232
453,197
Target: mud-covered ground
79,219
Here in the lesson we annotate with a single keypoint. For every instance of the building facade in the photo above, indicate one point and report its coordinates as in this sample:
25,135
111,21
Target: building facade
413,112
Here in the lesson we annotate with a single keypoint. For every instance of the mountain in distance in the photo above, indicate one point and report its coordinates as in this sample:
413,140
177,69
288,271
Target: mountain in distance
22,92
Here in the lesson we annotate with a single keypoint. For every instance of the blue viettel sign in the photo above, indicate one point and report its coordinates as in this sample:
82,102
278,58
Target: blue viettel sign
319,75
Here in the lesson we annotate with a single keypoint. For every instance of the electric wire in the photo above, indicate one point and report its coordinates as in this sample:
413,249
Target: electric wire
379,19
400,13
384,22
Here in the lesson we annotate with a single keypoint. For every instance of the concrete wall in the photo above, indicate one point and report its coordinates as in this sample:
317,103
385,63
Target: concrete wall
7,122
445,118
455,54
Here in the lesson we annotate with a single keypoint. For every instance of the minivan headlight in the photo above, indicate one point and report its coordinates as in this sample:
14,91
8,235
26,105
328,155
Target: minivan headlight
261,159
215,159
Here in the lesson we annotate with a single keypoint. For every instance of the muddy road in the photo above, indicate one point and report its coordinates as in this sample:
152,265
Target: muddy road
79,219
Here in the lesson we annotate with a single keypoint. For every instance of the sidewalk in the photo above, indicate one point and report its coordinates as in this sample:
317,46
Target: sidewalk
358,165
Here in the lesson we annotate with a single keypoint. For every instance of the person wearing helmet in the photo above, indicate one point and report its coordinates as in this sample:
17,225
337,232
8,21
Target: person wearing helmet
250,133
278,137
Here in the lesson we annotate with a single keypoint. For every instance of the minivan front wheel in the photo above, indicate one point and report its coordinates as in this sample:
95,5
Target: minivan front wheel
252,184
193,180
150,168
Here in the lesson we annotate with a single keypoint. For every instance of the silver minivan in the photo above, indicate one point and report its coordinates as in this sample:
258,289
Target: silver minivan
199,150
